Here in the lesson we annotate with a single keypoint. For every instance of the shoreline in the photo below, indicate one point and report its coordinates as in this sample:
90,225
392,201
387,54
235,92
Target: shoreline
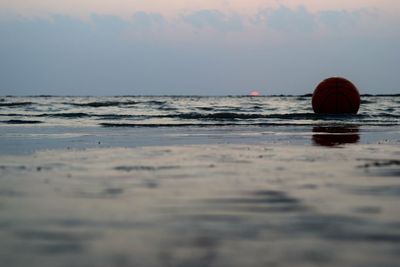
28,139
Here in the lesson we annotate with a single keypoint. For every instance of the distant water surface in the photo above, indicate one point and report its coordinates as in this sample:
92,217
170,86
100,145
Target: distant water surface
185,111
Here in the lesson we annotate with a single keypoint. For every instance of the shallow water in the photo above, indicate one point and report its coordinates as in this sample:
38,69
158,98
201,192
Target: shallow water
202,205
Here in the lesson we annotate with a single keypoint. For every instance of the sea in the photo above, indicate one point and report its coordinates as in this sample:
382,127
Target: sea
37,122
189,111
196,181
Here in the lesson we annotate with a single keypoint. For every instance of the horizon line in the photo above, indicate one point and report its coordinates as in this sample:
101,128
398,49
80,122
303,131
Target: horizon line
194,95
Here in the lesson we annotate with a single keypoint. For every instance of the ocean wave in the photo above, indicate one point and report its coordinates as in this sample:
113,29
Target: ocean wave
122,116
230,124
215,116
21,122
154,102
364,101
159,125
15,115
97,104
15,104
387,115
65,115
77,115
103,104
249,116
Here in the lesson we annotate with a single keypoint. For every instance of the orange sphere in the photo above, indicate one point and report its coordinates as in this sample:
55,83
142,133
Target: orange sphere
336,96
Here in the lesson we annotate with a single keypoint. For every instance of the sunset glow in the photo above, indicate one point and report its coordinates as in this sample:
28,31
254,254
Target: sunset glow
254,93
173,8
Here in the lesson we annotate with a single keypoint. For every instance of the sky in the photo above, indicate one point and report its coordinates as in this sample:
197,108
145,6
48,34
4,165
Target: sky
196,47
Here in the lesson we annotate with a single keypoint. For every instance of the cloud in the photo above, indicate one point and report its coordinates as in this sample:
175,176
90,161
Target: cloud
146,20
109,23
300,20
139,21
337,18
214,19
344,19
288,20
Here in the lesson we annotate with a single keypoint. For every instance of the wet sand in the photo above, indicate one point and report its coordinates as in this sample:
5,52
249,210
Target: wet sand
259,204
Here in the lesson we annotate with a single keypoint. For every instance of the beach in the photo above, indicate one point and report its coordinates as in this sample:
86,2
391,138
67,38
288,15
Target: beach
305,193
265,204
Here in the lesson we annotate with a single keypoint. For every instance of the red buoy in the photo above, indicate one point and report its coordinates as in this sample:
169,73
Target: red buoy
336,95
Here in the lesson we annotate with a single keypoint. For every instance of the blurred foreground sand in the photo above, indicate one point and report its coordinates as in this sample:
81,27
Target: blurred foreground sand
202,205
